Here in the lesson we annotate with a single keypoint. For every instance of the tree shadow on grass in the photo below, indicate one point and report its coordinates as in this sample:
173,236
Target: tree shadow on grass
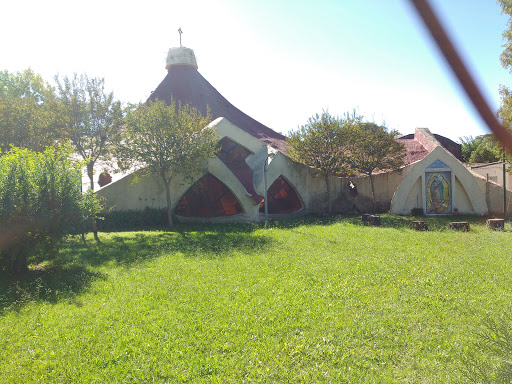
74,268
207,241
48,284
400,223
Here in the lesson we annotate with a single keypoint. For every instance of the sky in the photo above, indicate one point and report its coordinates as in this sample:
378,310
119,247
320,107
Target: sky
280,62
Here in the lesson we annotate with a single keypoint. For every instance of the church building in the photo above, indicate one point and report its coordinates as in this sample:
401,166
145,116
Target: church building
252,156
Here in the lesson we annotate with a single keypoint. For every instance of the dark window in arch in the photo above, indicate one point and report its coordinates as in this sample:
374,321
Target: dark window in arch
231,152
209,197
282,198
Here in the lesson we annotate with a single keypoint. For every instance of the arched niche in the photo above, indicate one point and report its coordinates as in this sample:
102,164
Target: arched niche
208,197
282,198
231,152
439,160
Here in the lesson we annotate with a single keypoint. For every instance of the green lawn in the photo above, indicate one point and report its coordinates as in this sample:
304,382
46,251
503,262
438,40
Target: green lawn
305,300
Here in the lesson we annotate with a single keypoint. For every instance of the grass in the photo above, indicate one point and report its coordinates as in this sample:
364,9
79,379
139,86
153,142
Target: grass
309,300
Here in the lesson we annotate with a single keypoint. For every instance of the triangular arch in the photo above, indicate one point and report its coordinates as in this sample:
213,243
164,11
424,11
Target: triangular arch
208,197
282,198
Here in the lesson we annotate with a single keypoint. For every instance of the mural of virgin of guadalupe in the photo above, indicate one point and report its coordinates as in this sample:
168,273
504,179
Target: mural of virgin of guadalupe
438,194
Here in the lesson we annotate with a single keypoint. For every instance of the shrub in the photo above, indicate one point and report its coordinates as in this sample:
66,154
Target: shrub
40,202
133,219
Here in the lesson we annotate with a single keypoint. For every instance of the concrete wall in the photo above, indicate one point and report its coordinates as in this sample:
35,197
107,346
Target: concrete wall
494,171
461,200
493,195
126,194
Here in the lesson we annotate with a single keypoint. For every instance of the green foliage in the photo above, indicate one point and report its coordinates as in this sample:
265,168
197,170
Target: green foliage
505,111
481,149
29,115
133,220
495,343
374,148
93,119
322,145
506,55
484,154
468,145
167,140
40,202
336,145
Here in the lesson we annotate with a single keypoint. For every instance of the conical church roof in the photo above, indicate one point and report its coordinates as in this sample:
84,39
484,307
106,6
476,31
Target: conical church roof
186,85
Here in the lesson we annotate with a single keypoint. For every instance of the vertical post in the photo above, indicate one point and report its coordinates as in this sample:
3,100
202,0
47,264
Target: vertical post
265,201
504,187
265,167
487,200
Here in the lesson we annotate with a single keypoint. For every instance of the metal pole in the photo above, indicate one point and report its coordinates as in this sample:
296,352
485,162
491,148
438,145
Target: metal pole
265,186
504,187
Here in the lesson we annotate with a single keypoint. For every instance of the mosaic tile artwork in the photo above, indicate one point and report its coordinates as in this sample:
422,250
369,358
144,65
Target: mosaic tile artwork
438,190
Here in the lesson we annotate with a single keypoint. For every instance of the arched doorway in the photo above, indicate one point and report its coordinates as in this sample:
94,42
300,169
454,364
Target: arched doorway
282,198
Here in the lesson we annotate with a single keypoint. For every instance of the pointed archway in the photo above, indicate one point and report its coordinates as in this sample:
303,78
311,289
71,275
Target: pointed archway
282,198
208,197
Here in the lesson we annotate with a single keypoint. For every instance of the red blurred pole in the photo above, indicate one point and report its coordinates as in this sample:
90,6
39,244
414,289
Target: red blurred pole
452,57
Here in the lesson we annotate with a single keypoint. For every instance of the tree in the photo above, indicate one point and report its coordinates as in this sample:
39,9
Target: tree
40,202
93,119
481,149
505,111
28,111
168,140
322,144
468,146
506,55
374,148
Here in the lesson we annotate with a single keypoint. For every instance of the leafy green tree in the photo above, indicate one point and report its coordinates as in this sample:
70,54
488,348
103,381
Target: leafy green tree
505,111
468,145
481,149
40,202
29,115
323,145
167,140
374,148
93,119
484,154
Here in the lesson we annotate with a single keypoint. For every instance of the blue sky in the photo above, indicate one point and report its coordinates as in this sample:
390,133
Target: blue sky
278,61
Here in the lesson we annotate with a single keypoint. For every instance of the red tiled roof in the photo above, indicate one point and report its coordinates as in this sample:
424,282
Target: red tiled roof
415,151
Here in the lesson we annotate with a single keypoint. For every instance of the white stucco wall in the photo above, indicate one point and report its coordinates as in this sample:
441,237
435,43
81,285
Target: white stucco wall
467,197
461,200
494,171
402,191
125,194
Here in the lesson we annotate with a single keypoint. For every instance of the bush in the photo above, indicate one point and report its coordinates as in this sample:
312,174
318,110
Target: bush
133,219
40,202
